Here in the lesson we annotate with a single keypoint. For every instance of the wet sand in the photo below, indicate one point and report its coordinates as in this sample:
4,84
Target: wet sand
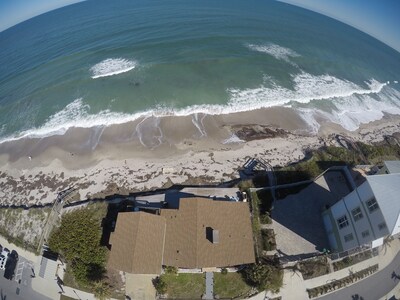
153,153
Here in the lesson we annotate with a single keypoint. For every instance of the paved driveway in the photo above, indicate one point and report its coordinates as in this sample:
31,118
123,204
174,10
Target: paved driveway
20,288
140,286
298,223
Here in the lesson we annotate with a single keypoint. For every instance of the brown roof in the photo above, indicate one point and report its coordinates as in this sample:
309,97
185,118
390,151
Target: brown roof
137,243
188,239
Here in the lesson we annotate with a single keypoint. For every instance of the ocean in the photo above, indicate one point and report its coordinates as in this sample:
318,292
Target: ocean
84,68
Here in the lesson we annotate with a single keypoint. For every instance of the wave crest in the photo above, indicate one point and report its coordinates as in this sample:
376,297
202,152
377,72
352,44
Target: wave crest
279,52
112,66
306,88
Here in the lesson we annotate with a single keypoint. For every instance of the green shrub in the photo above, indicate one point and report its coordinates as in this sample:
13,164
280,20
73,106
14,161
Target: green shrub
78,241
263,276
268,239
265,219
171,270
244,185
314,267
160,285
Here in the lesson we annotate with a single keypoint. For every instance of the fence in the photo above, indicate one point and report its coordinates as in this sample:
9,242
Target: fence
353,251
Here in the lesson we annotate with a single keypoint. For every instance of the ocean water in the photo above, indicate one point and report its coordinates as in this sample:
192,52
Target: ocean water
102,63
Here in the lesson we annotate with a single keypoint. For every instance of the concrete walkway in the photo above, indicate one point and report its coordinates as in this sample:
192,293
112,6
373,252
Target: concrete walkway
209,286
295,287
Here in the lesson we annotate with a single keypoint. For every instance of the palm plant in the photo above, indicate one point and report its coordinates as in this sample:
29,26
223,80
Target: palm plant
101,290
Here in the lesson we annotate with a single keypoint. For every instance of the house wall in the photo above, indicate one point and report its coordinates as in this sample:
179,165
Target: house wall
333,235
339,210
352,202
371,221
383,170
375,217
396,229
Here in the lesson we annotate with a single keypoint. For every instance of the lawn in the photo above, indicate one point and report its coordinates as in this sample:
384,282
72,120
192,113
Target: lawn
185,286
230,285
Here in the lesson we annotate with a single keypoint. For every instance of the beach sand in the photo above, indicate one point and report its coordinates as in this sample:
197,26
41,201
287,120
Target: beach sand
33,171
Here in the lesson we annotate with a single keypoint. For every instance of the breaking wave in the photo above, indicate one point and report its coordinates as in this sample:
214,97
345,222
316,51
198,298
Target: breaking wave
112,66
279,52
306,88
355,110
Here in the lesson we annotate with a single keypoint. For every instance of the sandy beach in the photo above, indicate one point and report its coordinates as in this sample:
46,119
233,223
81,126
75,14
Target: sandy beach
33,172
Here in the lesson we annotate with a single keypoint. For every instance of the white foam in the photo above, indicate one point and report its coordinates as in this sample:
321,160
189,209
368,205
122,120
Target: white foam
355,110
279,52
233,139
149,132
76,114
112,66
306,88
198,123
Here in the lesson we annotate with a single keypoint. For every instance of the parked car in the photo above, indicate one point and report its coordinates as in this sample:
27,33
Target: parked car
3,258
11,264
5,251
14,254
2,262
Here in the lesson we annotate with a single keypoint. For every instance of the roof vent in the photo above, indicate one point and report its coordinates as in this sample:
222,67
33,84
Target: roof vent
212,235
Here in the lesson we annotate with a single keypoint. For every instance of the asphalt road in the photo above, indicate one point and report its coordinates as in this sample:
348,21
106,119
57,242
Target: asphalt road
373,287
20,288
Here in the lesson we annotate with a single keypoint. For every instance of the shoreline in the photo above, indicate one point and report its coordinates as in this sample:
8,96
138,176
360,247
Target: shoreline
120,168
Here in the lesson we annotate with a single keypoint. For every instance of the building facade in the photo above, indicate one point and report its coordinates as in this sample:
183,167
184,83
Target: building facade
366,215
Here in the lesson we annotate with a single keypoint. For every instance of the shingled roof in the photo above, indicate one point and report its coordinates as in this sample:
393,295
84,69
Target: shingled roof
188,240
201,233
137,243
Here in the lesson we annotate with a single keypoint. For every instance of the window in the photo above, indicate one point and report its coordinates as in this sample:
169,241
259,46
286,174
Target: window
381,226
342,222
348,237
372,205
365,233
357,214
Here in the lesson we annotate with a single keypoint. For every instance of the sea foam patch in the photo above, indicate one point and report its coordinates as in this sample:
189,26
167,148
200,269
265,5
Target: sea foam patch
352,104
112,66
306,88
75,114
352,111
279,52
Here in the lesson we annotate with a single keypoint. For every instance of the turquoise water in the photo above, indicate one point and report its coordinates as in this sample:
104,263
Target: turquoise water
99,63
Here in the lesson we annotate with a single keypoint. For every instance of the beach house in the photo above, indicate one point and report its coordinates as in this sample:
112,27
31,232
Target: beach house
201,233
368,214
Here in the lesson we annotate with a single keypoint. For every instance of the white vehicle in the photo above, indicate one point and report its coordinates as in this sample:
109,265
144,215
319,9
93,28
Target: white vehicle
3,258
2,262
244,196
